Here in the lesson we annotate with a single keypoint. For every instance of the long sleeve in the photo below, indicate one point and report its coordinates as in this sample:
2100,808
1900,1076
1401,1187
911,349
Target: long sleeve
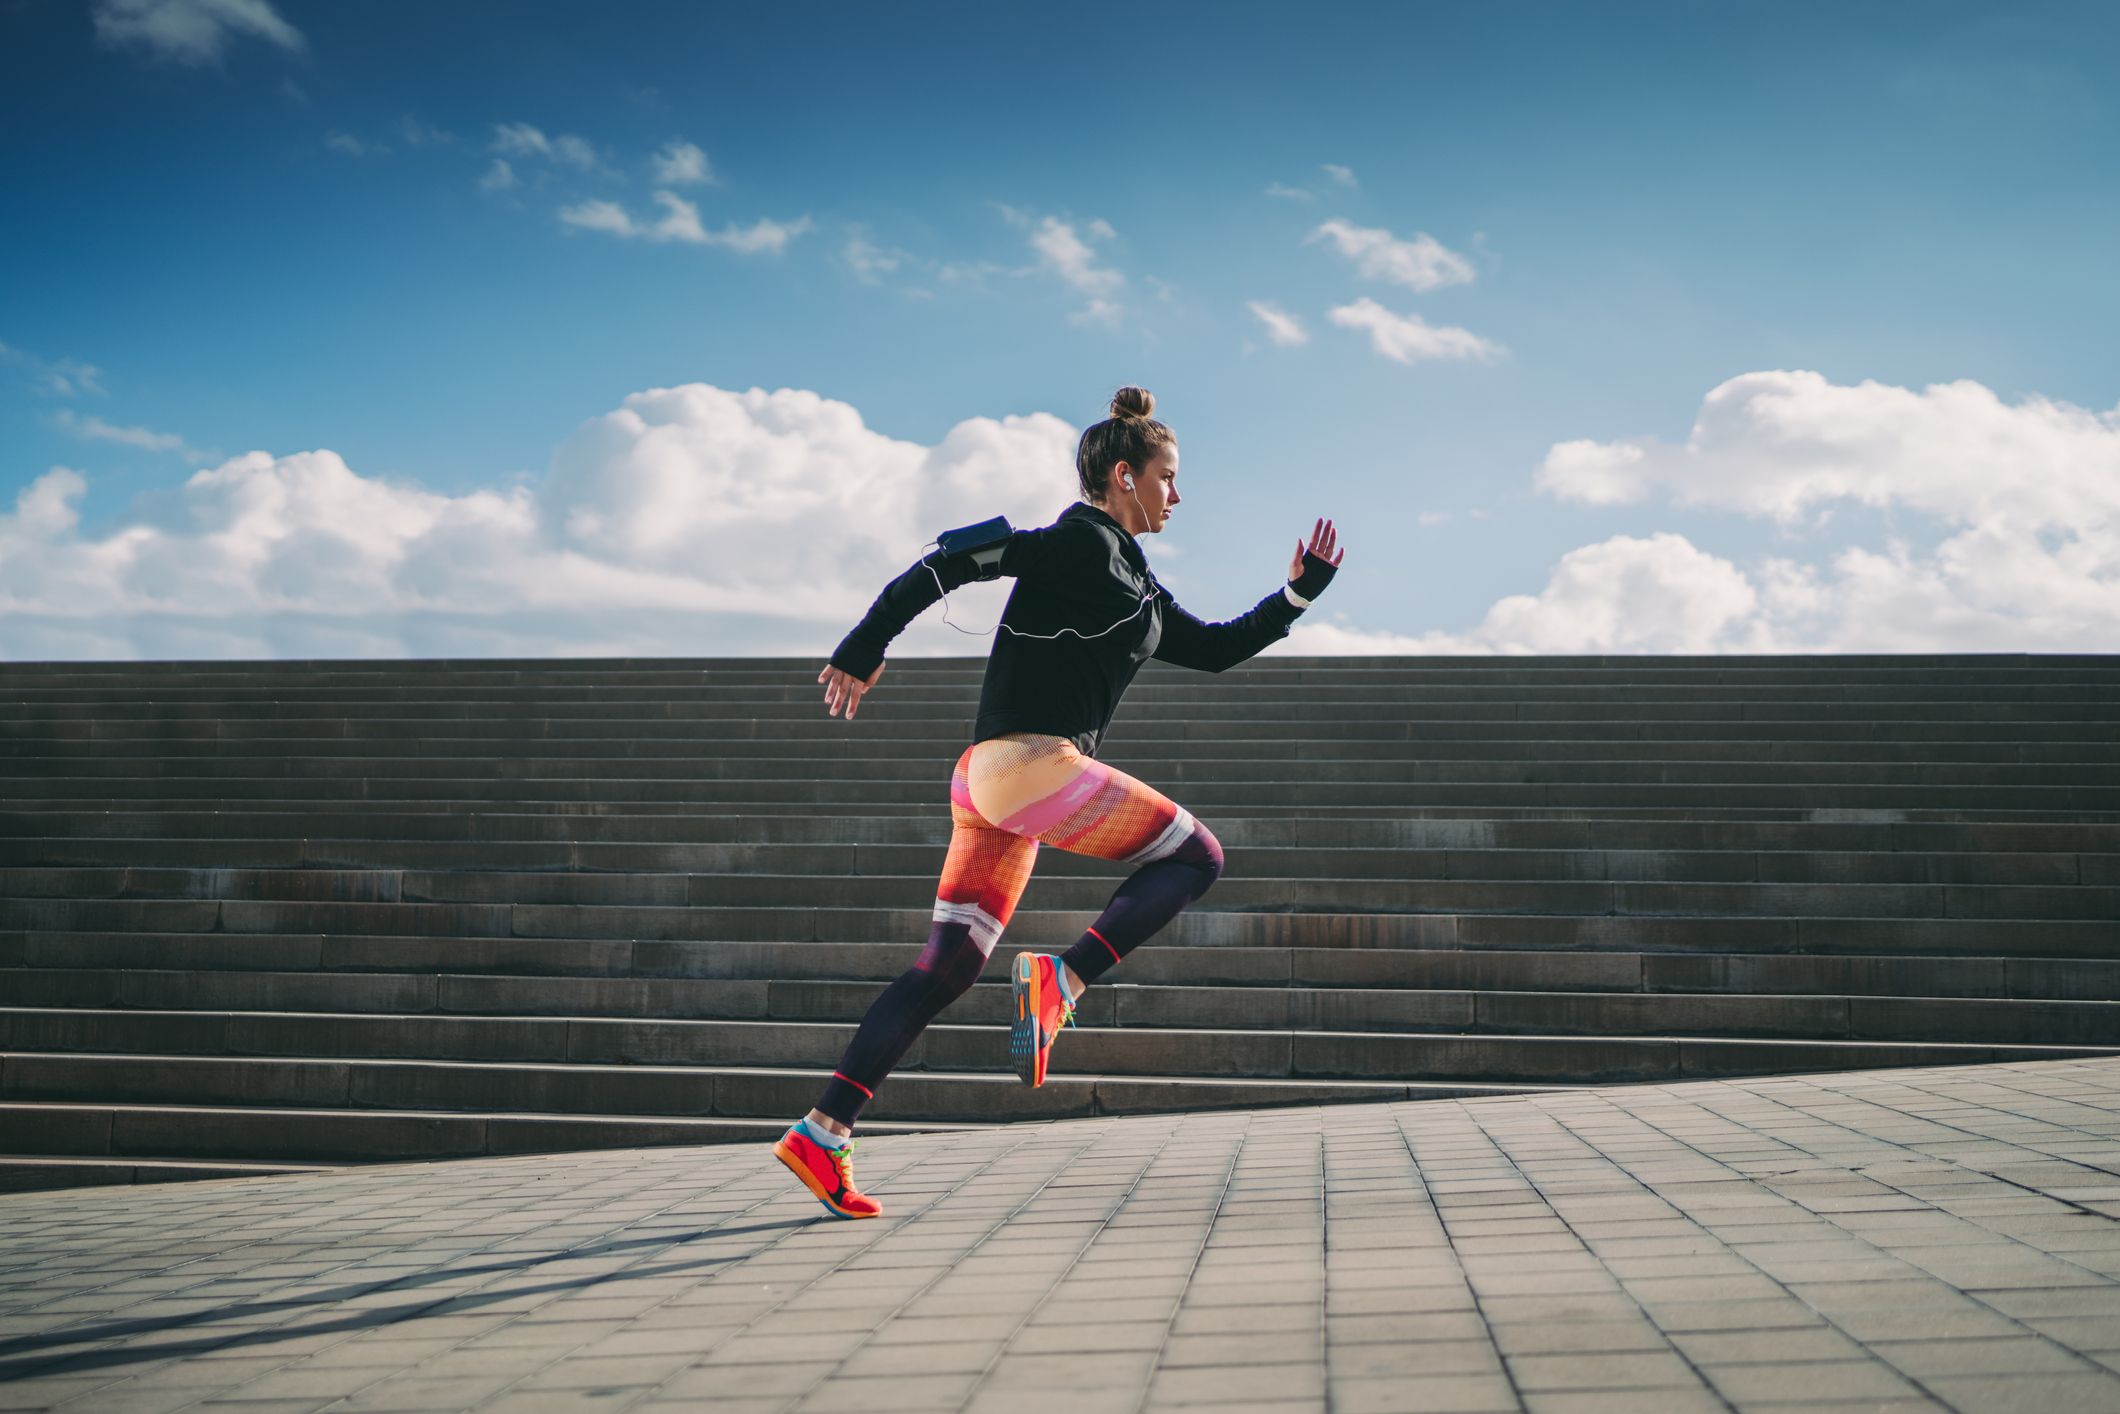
1214,648
1026,554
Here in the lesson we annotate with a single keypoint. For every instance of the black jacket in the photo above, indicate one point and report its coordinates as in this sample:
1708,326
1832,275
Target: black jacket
1085,571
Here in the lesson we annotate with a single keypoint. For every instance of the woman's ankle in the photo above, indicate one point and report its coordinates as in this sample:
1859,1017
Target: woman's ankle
826,1122
1075,985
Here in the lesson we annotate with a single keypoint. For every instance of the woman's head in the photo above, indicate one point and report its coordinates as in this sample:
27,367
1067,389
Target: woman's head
1130,446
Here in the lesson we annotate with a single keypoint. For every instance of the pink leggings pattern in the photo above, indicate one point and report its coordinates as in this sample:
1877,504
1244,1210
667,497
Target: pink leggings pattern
1008,795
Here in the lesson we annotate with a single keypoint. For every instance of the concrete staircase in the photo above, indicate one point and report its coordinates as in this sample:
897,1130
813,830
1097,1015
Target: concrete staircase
288,914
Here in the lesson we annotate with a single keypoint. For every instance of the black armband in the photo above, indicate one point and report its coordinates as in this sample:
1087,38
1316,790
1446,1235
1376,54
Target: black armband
985,542
1317,573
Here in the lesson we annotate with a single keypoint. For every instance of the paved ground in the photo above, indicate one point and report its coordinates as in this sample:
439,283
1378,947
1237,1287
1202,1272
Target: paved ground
1878,1241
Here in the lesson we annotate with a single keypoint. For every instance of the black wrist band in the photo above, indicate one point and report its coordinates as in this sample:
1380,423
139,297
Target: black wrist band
1317,573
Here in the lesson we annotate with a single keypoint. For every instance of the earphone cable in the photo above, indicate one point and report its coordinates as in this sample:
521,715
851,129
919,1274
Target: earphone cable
1146,599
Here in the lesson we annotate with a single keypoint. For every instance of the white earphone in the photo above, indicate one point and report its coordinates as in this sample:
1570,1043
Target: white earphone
1146,599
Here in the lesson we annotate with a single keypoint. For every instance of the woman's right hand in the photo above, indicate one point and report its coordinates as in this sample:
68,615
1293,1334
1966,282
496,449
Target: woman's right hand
843,687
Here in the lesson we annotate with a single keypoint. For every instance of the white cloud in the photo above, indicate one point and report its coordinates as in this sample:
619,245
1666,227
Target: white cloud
189,31
680,164
45,507
1288,193
1098,311
1069,256
95,429
1408,337
1629,594
687,520
1422,263
599,216
1062,251
1780,444
1662,594
415,133
521,140
1342,175
1654,594
760,235
2025,499
344,142
59,378
499,176
869,261
680,222
1428,520
1281,327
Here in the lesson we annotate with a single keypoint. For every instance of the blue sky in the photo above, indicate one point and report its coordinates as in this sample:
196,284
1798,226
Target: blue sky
278,228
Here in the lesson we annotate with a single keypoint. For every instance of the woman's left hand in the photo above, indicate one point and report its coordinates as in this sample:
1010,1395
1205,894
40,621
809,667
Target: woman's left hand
1322,540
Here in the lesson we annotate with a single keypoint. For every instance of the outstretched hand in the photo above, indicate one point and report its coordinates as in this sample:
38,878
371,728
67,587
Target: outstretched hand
844,688
1322,540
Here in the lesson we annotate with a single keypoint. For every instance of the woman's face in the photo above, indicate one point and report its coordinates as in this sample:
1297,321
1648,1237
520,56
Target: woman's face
1156,483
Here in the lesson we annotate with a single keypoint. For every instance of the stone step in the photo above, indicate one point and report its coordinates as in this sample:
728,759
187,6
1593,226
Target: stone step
1834,762
1168,962
205,1131
1302,712
1310,684
651,904
22,1173
250,769
1205,798
600,744
1131,1003
1681,834
1825,668
817,1046
1558,662
1150,739
767,1095
1147,687
855,816
1053,930
559,859
467,902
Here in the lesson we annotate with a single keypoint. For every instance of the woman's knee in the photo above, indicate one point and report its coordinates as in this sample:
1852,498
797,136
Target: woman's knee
1204,852
946,968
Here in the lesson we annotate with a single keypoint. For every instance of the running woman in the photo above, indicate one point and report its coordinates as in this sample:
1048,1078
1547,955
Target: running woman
1084,615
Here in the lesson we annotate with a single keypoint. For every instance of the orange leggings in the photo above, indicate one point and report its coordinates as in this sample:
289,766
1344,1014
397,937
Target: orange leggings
1008,795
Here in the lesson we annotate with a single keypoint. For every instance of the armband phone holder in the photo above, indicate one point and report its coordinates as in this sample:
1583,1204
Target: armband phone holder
986,540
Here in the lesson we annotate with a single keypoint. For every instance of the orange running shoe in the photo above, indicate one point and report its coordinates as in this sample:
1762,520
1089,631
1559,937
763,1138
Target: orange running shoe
828,1173
1039,1012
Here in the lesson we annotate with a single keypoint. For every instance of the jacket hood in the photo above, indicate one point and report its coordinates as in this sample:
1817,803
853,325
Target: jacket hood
1083,510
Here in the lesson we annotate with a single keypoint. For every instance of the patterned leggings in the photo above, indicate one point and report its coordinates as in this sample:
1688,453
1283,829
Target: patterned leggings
1008,795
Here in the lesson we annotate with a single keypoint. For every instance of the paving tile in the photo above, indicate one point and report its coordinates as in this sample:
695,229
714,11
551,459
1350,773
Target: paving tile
1696,1399
1581,1370
2018,1394
1227,1384
1813,1381
1818,1242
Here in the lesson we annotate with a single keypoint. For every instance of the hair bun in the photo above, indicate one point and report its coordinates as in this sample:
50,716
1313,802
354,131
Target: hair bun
1133,402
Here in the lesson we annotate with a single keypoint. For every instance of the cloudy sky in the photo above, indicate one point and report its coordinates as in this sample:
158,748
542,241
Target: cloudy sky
393,328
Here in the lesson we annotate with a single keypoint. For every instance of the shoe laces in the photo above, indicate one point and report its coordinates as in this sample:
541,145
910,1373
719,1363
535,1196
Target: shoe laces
1067,1008
843,1160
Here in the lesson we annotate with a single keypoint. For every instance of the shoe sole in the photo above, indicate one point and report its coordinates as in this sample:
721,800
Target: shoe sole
1025,993
809,1180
